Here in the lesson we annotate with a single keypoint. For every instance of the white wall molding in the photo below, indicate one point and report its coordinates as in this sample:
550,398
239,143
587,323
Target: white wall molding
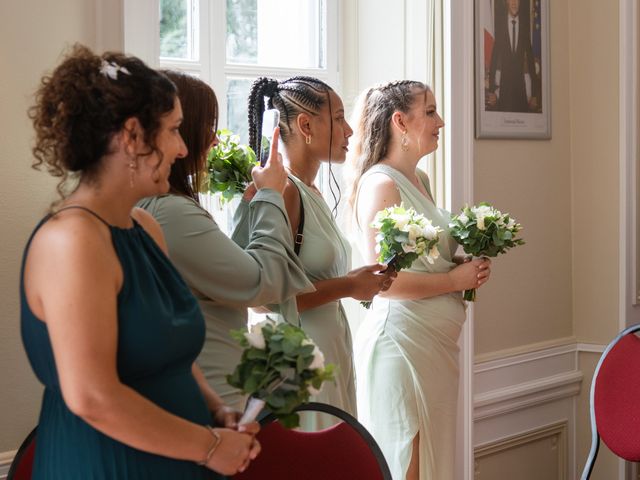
5,462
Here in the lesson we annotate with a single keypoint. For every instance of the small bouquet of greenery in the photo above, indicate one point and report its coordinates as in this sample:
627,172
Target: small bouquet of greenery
484,231
230,164
403,237
280,368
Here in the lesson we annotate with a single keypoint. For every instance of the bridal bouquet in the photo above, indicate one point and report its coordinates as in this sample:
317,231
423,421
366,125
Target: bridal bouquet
280,368
404,236
484,231
229,165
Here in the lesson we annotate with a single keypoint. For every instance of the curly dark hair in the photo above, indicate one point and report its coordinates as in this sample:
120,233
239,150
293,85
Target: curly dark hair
198,129
85,101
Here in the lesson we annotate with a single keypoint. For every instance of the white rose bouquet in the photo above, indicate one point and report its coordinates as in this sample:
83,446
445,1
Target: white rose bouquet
280,368
229,165
403,237
484,231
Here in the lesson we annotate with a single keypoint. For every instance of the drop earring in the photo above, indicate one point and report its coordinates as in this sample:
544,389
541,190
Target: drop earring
307,140
404,142
132,173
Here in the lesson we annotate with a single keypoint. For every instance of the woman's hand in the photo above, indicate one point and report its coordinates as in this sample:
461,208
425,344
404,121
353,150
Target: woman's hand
470,274
273,174
368,281
234,452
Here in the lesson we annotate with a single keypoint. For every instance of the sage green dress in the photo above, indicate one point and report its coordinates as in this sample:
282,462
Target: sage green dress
325,254
406,358
226,278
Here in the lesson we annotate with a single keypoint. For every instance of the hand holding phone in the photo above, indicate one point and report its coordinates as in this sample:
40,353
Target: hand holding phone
270,120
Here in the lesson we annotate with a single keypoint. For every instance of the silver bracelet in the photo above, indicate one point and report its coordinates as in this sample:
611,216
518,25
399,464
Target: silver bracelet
217,440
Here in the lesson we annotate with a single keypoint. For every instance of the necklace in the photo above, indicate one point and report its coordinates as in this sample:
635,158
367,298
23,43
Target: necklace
299,177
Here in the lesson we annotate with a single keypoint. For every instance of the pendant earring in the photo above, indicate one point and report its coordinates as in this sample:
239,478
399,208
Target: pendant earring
132,173
307,140
404,142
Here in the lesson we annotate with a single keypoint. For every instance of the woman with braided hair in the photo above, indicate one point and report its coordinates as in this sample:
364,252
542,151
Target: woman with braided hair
313,130
406,353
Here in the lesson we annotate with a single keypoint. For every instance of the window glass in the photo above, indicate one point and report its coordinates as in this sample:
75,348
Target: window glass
179,29
237,93
259,30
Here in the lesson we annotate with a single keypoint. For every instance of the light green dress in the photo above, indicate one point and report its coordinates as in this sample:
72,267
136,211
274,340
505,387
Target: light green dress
406,358
325,254
225,278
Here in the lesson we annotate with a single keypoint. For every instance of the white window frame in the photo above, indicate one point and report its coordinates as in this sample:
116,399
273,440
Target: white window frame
142,39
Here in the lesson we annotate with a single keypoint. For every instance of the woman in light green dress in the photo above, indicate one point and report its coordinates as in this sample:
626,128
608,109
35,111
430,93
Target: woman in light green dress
225,278
406,351
314,130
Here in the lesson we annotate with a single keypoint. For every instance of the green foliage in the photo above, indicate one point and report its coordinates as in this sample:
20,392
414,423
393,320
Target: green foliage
230,164
279,373
484,231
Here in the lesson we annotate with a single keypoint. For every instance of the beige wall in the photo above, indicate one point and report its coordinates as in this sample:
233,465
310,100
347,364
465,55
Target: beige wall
594,147
32,35
528,299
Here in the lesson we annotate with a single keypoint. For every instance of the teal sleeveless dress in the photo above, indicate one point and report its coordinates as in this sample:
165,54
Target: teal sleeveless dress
160,333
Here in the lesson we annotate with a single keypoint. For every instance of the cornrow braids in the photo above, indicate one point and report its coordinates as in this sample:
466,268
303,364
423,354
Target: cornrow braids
290,97
372,124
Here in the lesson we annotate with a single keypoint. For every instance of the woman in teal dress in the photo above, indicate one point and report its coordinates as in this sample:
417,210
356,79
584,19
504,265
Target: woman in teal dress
108,324
225,278
314,130
406,350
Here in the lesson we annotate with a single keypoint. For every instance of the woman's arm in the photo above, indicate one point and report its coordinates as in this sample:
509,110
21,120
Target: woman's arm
381,192
362,283
82,325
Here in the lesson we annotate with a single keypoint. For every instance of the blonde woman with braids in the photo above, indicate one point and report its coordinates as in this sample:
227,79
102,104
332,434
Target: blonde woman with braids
405,350
314,130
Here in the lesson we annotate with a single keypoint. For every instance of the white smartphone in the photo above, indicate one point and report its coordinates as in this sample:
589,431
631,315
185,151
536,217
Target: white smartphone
270,121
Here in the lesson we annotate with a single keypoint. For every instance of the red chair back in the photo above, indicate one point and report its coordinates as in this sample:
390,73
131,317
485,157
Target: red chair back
22,464
345,451
617,398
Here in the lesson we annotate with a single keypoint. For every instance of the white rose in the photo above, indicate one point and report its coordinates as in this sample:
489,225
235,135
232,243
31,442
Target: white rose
400,220
429,231
511,223
480,222
318,356
409,247
463,219
414,231
255,337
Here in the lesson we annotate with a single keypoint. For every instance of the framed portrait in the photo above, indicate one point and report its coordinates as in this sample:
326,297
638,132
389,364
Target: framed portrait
512,69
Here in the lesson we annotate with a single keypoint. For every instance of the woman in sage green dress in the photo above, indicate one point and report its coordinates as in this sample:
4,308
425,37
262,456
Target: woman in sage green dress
406,350
109,326
314,130
225,278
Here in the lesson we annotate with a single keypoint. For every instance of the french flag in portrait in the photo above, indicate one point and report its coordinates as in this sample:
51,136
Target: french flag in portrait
489,34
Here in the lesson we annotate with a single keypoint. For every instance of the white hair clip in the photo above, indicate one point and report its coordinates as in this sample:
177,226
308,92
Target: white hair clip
111,69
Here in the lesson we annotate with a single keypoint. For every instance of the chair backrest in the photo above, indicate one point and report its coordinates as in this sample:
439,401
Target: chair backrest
22,464
344,451
615,399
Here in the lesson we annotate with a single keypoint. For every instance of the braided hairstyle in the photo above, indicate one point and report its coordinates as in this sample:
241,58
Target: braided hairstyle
290,97
372,124
197,129
85,102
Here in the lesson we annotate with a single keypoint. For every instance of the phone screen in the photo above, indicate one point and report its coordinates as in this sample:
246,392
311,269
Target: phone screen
270,121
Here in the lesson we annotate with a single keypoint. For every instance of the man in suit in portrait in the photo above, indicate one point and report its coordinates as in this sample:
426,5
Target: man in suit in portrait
513,85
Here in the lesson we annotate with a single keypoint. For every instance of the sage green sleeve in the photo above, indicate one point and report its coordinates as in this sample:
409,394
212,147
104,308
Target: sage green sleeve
265,270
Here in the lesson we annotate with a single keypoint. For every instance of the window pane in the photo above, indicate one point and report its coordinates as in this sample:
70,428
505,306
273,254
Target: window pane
179,29
237,93
259,30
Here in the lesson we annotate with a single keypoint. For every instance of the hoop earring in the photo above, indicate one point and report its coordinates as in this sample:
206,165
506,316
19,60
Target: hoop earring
307,140
132,173
404,142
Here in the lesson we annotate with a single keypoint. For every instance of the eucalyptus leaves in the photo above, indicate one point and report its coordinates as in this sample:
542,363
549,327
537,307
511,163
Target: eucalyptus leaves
484,231
281,366
403,237
229,165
